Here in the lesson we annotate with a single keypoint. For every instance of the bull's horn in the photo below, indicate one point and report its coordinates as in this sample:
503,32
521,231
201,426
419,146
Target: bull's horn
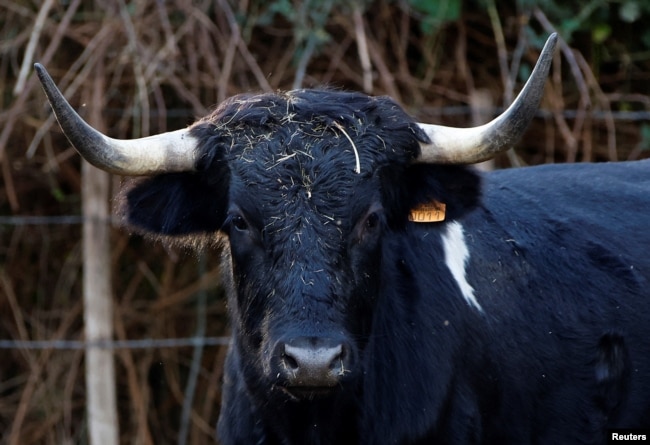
167,152
470,145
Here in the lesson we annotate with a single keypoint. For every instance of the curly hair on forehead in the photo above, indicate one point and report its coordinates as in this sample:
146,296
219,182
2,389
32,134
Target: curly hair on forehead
313,116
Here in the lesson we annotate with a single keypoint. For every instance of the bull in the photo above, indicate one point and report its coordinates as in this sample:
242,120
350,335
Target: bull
381,291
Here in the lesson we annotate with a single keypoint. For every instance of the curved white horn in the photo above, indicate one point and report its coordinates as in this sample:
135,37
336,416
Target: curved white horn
174,151
471,145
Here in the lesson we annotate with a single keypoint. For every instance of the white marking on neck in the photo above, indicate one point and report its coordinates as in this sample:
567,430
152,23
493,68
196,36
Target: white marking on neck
456,256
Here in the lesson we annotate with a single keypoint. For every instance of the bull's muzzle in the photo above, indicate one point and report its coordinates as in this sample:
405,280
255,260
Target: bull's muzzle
311,366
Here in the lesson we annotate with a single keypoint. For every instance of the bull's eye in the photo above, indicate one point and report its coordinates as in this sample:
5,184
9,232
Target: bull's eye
243,234
368,228
239,223
372,221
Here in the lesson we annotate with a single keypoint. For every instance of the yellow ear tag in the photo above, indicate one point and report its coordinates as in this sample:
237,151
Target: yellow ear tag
432,211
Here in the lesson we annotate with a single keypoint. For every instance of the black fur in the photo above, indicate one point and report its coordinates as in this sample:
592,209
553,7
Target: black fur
558,260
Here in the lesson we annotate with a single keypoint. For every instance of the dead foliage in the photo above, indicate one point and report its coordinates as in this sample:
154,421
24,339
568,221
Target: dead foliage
159,64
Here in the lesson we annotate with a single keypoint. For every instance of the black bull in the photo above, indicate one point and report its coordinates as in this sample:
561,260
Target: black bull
515,310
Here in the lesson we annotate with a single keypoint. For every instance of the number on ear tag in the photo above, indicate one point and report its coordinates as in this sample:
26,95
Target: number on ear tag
432,211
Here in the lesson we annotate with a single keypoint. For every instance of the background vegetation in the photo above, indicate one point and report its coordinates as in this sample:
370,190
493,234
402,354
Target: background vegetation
148,66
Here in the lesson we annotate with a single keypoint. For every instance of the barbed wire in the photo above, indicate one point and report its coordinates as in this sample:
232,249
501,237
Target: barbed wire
451,110
148,343
63,220
464,110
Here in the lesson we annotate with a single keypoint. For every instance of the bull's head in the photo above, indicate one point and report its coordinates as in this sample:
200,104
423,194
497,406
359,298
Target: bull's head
303,186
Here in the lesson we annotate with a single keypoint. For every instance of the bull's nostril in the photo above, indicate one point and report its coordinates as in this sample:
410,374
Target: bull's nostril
338,365
289,362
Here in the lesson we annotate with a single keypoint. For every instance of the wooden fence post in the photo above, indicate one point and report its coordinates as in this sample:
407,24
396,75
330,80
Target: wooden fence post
101,403
98,309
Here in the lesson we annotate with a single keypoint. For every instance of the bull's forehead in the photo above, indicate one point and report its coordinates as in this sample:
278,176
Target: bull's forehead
304,176
314,126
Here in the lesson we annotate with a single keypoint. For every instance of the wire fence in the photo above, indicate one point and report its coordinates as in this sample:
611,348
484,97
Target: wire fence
201,341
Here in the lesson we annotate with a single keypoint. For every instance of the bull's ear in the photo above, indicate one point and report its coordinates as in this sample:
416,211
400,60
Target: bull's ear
457,187
175,204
